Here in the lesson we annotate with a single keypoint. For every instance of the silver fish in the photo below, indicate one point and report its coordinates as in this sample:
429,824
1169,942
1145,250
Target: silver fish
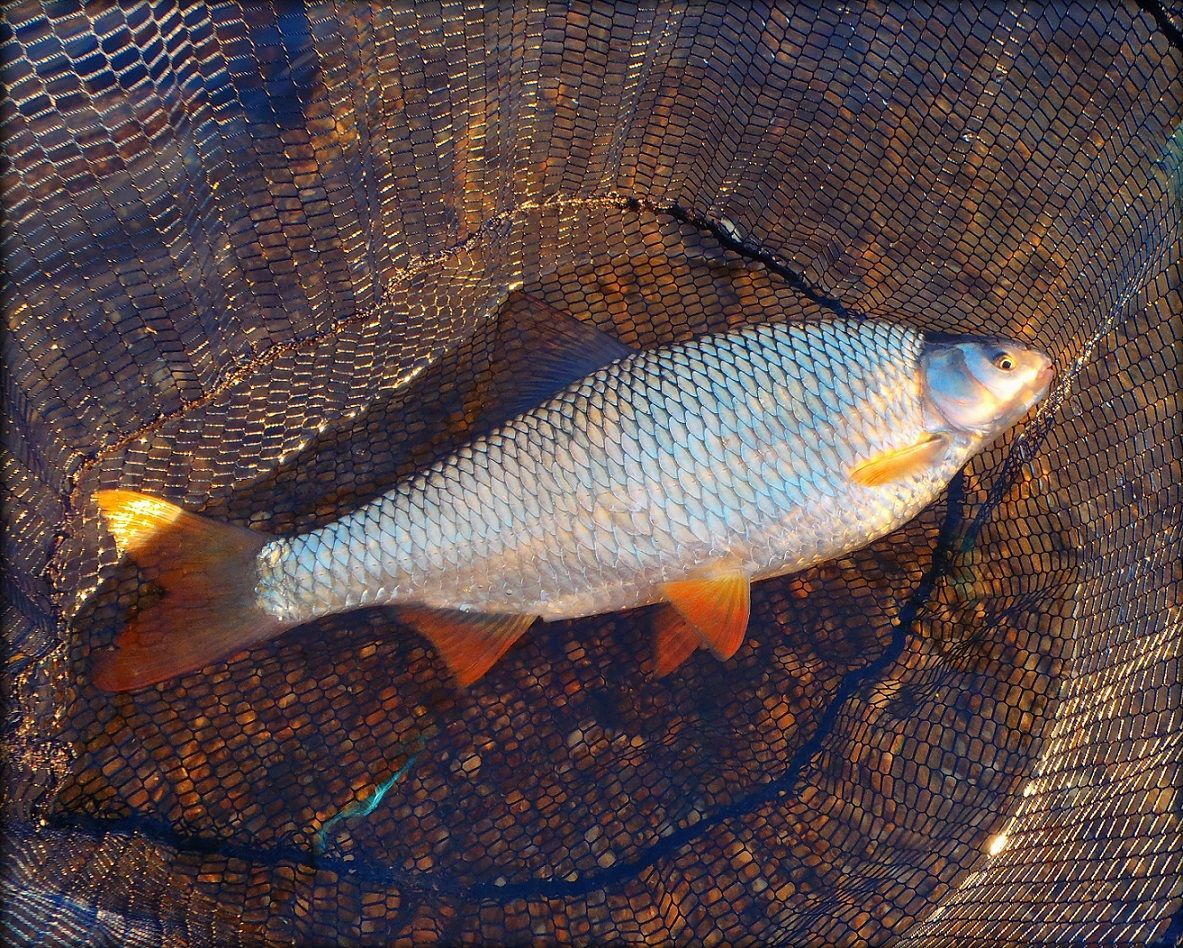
676,475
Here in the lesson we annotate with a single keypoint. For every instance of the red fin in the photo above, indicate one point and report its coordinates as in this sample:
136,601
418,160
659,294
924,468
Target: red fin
469,642
207,570
900,463
716,604
675,640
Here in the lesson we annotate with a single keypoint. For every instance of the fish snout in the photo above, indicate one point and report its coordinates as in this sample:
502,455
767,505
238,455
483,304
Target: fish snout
1044,376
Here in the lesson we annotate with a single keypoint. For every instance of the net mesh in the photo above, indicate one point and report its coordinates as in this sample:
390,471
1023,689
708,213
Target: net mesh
258,261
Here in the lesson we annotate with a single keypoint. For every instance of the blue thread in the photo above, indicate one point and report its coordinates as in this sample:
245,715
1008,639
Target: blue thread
365,806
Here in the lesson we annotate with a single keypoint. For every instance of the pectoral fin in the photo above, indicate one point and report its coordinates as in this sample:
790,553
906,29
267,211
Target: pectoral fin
716,605
674,640
469,642
900,463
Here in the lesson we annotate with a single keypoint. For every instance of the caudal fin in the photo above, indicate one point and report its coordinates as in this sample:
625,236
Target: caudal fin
208,573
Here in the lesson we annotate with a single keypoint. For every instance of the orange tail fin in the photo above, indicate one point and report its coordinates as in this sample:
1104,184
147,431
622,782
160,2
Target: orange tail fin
207,570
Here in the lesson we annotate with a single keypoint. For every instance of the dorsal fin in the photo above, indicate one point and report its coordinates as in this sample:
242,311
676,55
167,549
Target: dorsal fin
469,642
716,603
544,351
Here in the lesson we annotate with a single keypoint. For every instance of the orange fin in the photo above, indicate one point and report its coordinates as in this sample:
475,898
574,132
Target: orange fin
900,463
675,640
716,604
469,642
208,610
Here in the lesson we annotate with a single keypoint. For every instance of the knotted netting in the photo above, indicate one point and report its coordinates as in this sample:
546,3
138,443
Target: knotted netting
261,260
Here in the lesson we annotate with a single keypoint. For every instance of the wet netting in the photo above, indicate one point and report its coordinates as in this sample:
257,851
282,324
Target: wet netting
266,260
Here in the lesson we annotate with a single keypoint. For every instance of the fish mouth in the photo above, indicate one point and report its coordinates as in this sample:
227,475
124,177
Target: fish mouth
1044,378
1037,389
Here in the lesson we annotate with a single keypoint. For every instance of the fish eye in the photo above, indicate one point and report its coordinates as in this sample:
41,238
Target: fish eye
1004,361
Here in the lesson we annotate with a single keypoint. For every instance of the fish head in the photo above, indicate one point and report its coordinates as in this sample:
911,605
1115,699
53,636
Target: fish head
982,385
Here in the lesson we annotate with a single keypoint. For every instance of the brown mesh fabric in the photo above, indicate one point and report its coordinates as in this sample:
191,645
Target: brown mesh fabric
257,259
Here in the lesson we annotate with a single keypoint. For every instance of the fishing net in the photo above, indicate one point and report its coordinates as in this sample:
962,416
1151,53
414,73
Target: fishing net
266,260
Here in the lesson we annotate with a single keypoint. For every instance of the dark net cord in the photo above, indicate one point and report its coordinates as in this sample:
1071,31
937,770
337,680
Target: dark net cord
259,260
1168,18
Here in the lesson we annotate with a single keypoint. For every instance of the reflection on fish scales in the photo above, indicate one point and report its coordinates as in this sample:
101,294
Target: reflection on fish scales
677,475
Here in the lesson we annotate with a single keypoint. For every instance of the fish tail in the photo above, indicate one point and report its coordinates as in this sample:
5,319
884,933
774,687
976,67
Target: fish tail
208,572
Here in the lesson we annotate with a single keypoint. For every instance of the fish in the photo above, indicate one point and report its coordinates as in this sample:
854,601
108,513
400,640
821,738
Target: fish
674,476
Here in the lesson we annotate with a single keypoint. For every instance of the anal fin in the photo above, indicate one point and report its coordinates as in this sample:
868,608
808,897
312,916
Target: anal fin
900,463
674,640
470,643
716,604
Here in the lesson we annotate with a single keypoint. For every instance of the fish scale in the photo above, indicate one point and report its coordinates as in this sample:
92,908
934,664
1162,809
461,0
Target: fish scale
509,523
